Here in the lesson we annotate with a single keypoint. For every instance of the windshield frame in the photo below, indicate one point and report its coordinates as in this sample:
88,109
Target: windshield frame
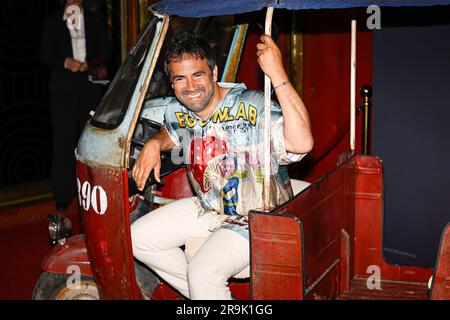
115,86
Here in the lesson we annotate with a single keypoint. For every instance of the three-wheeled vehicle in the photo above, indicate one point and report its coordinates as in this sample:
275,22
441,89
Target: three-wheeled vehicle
325,243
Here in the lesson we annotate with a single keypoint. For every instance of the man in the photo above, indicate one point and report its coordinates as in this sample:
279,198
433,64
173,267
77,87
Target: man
70,40
215,123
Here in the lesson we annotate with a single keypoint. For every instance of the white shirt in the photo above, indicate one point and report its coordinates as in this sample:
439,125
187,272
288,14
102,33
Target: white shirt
78,37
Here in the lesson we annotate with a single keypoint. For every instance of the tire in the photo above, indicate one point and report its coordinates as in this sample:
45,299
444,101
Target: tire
52,286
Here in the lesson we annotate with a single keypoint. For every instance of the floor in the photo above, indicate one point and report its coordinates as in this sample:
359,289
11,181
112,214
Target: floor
24,240
390,290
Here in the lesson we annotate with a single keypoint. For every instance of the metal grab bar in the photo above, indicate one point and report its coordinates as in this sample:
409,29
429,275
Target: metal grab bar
366,94
364,105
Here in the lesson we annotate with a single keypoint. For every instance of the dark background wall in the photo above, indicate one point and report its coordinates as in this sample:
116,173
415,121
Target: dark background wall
25,128
411,131
25,124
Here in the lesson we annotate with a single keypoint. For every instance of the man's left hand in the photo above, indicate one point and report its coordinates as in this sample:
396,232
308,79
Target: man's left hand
270,60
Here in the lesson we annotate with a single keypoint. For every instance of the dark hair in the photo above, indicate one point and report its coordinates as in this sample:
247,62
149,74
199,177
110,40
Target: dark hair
187,43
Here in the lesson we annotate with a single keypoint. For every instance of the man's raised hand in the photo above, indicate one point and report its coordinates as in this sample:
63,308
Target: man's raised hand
270,59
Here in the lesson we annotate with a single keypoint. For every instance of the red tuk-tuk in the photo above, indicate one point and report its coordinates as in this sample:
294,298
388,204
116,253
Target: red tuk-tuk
325,243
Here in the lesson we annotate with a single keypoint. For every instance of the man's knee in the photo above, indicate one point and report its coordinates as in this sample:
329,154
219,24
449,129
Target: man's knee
200,273
142,239
136,240
150,236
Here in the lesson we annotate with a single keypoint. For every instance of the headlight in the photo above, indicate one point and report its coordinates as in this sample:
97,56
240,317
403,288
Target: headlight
59,227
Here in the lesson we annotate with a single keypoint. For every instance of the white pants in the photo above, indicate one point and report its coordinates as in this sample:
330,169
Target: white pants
157,237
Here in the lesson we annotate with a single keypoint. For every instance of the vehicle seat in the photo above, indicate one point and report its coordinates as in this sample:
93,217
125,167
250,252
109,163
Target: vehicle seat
194,244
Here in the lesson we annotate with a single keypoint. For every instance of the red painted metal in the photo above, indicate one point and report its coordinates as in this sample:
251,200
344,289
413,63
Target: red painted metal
165,292
113,268
108,237
339,232
133,203
326,51
72,252
389,290
176,185
322,207
344,271
290,259
441,278
369,224
24,240
239,289
326,45
277,259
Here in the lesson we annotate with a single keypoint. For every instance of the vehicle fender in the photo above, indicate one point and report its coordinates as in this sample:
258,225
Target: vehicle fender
63,257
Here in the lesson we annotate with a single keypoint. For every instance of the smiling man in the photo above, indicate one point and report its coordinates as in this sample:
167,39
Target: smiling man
216,123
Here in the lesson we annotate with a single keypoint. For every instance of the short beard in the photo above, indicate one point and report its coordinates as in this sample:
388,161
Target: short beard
201,105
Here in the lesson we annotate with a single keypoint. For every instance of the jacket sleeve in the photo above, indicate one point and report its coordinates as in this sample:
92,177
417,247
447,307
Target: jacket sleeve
170,125
103,41
284,157
101,52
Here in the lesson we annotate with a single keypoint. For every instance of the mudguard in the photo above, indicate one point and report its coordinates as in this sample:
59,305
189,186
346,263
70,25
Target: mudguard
72,253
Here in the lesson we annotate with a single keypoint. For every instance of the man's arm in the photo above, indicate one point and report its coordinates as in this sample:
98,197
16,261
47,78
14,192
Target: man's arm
149,158
297,127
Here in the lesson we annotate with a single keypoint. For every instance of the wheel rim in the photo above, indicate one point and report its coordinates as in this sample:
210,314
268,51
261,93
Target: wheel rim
85,291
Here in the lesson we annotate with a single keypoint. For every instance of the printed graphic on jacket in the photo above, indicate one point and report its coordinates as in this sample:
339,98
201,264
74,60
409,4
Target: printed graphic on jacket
224,155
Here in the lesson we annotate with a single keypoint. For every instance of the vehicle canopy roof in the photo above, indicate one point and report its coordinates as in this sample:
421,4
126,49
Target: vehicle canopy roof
204,8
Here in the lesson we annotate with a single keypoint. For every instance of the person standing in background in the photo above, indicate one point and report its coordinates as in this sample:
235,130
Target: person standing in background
72,40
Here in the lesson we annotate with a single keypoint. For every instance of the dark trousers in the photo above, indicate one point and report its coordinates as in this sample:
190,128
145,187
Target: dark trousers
70,112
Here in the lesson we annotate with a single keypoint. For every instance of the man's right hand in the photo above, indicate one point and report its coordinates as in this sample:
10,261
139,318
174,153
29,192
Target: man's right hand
149,159
73,64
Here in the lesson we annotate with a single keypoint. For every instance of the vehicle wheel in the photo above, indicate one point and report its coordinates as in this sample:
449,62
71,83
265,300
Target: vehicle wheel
52,286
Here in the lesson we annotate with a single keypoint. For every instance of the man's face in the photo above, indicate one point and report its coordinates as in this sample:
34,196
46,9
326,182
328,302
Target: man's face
193,82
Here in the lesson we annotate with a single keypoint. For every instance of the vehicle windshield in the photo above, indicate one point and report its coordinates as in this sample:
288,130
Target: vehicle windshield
111,110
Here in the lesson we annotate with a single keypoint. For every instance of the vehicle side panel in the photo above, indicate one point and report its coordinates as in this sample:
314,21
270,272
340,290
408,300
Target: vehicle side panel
277,259
339,231
103,196
441,281
369,225
72,253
